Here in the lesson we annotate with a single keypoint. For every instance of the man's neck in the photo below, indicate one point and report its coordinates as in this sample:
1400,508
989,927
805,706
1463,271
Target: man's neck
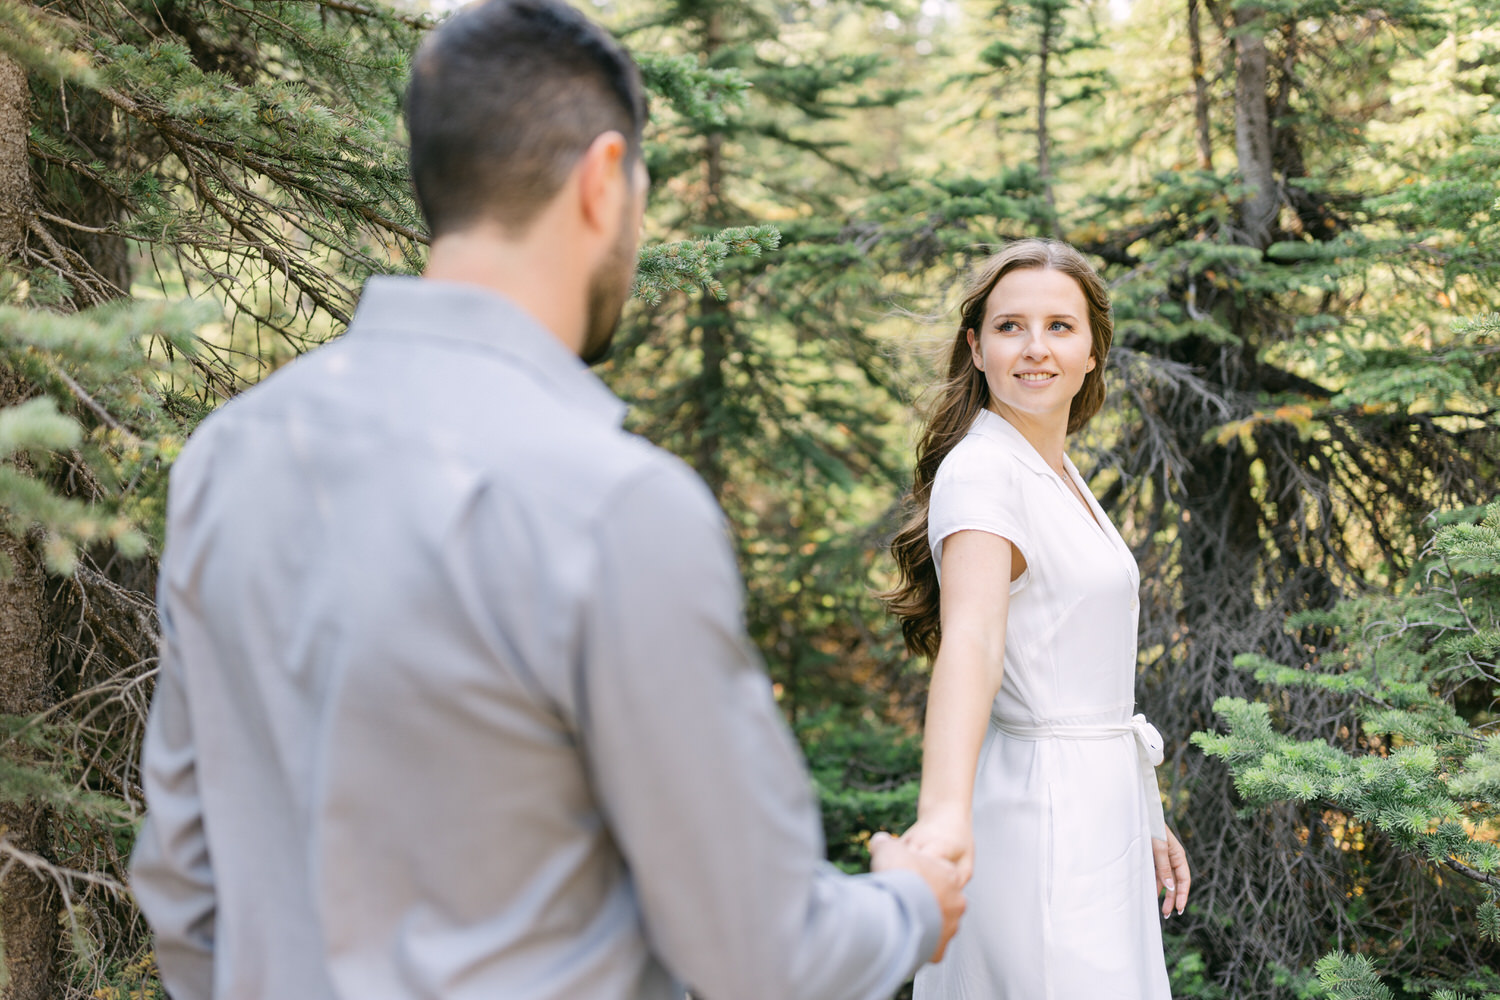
530,273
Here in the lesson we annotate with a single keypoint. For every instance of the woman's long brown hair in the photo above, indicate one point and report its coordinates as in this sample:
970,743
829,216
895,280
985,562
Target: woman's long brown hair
915,599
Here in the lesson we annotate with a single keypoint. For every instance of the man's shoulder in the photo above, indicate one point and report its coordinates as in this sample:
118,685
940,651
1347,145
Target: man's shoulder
605,465
256,400
667,479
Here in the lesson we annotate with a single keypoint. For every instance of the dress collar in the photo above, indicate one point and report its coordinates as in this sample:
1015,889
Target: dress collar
992,425
476,317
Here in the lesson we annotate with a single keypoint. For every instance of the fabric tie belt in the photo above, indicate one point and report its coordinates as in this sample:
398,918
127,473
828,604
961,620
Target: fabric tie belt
1148,745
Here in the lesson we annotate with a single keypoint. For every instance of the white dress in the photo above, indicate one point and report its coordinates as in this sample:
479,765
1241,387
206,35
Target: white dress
1062,904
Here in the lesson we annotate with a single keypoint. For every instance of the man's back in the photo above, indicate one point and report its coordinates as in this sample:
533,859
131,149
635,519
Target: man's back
472,668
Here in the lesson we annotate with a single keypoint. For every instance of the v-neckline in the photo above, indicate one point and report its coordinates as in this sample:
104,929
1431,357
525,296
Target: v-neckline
1092,512
1084,497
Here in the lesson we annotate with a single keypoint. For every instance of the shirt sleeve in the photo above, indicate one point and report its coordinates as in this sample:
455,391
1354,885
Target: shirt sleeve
976,490
702,785
171,874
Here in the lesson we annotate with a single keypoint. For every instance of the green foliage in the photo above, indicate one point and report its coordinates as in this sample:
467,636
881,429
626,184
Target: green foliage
694,92
865,773
1417,666
689,265
110,413
1352,977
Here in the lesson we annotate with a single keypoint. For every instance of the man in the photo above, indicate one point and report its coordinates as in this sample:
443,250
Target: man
455,697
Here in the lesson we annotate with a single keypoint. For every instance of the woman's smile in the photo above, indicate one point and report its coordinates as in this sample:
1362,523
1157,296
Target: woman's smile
1035,345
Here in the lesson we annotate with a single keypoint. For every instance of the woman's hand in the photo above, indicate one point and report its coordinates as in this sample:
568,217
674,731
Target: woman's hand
948,837
1172,873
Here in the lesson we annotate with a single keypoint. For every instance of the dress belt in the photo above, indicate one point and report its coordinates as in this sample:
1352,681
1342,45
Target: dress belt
1148,745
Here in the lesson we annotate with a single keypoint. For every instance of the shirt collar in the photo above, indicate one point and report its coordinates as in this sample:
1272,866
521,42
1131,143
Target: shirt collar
994,426
477,317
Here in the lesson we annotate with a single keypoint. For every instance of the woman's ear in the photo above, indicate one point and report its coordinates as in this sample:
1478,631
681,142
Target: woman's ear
1091,365
974,349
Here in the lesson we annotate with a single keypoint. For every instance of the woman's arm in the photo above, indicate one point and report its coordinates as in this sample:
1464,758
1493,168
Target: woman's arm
977,571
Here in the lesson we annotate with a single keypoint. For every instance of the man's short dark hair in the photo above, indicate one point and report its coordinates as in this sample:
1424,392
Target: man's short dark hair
504,98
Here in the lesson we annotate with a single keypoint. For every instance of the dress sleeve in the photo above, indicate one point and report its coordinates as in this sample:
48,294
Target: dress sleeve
976,489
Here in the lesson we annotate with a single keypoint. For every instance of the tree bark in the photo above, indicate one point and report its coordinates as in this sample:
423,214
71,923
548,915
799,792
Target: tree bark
714,319
1200,89
1047,26
28,903
1252,126
15,173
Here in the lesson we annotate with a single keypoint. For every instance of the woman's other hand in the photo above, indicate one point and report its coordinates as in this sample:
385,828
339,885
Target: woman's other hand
948,837
1172,875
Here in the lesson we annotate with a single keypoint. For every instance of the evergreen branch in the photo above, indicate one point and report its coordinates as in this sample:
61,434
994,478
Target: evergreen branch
80,227
1482,878
78,167
422,22
169,125
93,405
62,876
95,286
276,258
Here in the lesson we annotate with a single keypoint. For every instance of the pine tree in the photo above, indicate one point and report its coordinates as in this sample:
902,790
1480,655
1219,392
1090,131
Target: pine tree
773,386
1037,42
1410,761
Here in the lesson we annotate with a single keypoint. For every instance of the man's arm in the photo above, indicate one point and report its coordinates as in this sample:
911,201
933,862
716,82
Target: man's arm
702,784
170,871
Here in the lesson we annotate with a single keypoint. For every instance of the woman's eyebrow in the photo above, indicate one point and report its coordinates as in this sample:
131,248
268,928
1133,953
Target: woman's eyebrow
999,316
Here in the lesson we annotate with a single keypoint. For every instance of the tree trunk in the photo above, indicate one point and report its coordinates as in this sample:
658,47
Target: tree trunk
15,173
1200,90
1043,139
28,905
1252,126
713,319
28,901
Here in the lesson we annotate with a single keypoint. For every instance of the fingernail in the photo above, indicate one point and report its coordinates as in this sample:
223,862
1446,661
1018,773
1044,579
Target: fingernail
1171,886
1179,911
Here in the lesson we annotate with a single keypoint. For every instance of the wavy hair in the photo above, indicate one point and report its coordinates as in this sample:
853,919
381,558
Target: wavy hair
915,599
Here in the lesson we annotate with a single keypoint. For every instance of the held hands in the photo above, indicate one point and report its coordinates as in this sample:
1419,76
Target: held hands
948,837
1172,873
887,853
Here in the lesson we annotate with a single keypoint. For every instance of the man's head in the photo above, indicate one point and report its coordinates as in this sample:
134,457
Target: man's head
509,102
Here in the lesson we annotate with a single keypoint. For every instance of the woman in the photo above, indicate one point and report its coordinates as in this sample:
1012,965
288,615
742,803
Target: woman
1036,780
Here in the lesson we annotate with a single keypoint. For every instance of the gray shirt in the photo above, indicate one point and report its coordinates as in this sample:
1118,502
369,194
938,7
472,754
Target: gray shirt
455,700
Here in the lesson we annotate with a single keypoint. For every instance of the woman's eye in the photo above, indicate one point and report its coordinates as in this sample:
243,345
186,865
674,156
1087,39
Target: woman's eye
1009,326
1060,325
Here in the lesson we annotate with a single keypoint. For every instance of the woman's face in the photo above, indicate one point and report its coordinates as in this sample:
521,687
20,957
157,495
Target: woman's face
1035,345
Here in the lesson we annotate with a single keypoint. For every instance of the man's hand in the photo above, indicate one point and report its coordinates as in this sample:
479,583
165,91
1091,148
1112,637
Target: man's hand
942,877
1172,873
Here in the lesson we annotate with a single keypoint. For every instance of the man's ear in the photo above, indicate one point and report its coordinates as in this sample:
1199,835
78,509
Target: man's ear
603,183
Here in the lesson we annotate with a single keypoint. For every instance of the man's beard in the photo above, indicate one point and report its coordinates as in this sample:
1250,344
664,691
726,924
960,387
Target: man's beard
609,287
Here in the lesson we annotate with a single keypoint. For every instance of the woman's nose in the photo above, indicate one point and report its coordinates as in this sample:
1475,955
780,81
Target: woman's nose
1036,344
